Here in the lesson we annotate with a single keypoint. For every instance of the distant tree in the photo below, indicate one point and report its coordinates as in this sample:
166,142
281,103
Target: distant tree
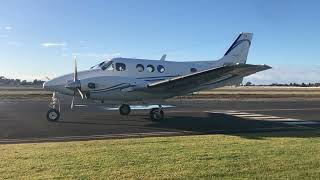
24,82
248,84
35,82
17,81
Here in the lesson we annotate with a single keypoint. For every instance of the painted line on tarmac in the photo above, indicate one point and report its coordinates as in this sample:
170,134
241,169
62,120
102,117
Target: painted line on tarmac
247,110
301,122
141,135
289,109
262,117
96,137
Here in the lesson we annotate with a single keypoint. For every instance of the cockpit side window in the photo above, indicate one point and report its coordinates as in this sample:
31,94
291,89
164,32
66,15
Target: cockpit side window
120,67
108,66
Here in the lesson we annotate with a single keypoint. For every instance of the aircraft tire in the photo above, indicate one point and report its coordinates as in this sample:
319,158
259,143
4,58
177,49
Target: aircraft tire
53,115
124,109
156,115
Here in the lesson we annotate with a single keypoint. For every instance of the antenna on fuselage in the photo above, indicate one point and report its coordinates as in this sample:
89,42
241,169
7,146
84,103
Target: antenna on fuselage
163,58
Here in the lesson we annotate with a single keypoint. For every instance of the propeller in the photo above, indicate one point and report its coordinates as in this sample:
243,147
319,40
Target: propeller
75,85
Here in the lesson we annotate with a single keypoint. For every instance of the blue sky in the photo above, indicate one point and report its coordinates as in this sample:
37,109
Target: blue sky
39,38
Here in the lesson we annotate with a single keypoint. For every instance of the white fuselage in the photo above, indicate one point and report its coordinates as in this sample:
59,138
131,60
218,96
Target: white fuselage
116,83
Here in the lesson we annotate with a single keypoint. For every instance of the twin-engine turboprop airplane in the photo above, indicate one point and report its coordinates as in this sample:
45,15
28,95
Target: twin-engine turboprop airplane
128,81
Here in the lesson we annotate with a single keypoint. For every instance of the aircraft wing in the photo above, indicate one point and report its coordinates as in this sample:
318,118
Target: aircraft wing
207,77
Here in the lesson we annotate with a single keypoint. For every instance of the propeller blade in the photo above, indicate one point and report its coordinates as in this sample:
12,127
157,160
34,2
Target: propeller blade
81,94
72,102
75,77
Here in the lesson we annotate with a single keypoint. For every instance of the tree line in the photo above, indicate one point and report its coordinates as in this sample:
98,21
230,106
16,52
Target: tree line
18,82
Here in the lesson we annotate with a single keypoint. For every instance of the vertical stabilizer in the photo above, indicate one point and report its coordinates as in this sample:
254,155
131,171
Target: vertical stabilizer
238,51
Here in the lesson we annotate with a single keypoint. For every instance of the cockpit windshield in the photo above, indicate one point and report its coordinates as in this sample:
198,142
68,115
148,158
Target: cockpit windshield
98,66
104,65
107,65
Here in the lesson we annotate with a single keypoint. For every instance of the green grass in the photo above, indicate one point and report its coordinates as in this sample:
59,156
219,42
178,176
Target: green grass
262,156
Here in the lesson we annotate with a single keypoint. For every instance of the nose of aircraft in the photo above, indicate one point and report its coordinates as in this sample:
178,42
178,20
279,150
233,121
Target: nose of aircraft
58,84
48,84
54,84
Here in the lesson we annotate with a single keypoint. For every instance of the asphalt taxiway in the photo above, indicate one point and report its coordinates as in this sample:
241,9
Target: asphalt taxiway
25,121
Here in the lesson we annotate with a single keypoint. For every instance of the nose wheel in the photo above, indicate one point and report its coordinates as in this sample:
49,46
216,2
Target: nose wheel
53,113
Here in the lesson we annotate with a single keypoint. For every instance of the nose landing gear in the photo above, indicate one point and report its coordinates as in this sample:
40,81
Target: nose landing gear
53,113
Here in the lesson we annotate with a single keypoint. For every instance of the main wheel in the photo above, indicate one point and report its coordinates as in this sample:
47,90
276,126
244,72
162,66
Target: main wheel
124,109
53,115
156,114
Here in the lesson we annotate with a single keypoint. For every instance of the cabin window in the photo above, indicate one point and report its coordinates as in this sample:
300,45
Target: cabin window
120,67
193,70
161,69
150,68
140,67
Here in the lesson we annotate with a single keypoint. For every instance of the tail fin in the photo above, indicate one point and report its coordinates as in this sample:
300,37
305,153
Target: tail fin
238,51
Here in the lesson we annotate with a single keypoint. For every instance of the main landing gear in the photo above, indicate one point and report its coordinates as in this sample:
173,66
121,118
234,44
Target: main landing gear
155,114
53,113
124,109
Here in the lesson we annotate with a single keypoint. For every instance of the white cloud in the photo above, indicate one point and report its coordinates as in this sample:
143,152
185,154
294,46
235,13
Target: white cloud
15,43
287,74
8,28
50,44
